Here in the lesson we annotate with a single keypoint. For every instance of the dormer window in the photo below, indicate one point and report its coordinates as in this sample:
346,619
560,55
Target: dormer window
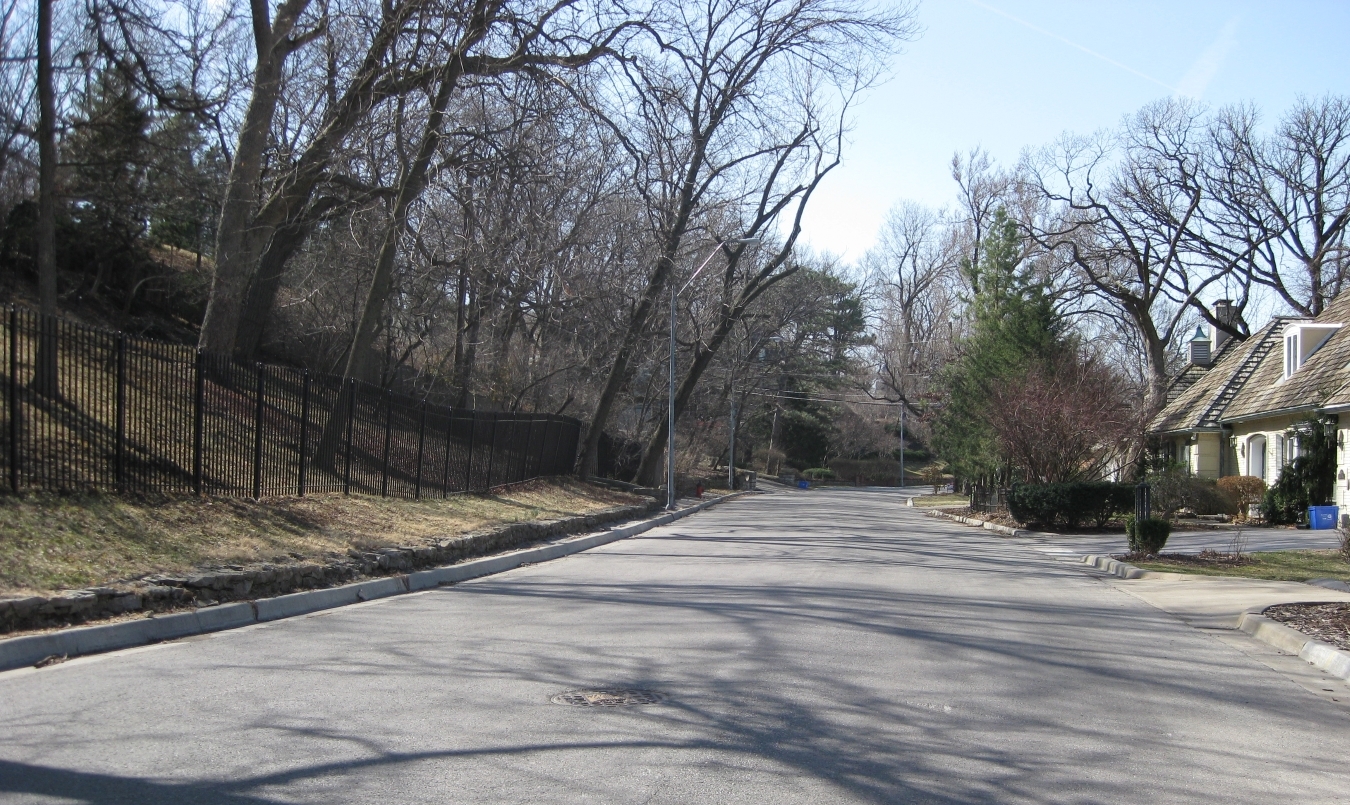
1301,340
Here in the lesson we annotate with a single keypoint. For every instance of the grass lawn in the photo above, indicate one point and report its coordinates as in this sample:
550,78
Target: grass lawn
1273,565
942,500
50,543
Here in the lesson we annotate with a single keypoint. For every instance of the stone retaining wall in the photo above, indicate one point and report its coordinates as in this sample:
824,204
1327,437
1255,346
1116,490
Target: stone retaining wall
235,583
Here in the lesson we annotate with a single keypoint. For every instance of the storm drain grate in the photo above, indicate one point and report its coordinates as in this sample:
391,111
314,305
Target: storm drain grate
606,697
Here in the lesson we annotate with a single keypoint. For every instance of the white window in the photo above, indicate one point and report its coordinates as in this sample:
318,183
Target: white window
1301,340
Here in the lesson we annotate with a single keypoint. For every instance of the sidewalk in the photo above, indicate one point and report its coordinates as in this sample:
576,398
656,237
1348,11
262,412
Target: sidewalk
1209,602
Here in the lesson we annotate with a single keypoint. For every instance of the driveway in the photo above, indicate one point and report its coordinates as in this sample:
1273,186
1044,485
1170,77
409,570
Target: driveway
821,647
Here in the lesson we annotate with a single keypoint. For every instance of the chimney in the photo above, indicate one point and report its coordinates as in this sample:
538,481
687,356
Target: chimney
1223,311
1200,348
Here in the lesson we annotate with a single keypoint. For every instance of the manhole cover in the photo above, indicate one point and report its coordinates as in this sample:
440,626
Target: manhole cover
606,697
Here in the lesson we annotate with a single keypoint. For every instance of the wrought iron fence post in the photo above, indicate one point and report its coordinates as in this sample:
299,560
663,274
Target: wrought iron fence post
198,421
557,449
388,436
473,438
529,449
120,414
351,425
304,428
550,426
449,435
421,440
14,398
492,451
258,437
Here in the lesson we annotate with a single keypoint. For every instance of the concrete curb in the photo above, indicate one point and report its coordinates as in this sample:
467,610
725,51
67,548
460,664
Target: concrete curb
1116,567
1323,656
18,652
985,524
1285,638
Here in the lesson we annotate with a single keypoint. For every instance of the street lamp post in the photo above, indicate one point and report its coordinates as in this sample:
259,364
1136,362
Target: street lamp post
670,403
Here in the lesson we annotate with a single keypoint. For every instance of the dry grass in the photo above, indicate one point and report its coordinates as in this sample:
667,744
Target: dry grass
55,543
942,500
1273,565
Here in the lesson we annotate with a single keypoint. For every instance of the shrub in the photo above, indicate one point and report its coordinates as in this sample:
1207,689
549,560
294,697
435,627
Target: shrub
870,471
1069,503
1286,501
1245,490
818,474
1309,480
933,475
1148,536
1176,489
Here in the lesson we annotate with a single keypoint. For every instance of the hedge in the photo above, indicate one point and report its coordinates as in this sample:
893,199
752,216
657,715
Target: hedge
1070,504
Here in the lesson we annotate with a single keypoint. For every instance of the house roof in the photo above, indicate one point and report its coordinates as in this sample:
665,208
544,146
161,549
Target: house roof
1318,383
1203,403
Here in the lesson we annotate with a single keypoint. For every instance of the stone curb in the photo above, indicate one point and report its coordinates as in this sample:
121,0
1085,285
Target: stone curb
1116,567
1320,655
18,652
985,524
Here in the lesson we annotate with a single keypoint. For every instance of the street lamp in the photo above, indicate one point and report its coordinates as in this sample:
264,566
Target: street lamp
670,403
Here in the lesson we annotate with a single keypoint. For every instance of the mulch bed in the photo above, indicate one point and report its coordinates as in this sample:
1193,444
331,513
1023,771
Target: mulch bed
1003,518
1329,623
1206,558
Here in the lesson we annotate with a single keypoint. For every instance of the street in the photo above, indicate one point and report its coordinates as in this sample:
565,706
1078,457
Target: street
807,647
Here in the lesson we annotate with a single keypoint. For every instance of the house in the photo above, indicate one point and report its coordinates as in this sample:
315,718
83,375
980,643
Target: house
1233,411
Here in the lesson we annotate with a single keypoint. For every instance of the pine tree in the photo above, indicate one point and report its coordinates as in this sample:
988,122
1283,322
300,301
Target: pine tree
1014,328
108,159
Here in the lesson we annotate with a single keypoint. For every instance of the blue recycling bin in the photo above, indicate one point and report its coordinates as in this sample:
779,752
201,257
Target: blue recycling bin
1323,516
803,484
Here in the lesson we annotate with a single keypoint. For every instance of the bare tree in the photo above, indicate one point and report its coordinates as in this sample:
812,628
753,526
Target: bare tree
44,377
702,127
1283,201
1127,219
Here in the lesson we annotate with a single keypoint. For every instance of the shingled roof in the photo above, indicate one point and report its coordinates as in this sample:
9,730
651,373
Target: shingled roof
1321,379
1202,405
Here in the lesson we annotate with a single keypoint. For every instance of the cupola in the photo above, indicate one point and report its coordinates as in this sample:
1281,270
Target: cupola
1200,355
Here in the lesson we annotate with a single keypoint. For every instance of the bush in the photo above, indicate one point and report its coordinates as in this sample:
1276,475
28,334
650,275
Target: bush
1286,502
1309,480
1176,489
1245,490
1148,536
818,474
1069,503
870,471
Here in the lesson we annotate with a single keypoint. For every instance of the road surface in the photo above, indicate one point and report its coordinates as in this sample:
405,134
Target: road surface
809,647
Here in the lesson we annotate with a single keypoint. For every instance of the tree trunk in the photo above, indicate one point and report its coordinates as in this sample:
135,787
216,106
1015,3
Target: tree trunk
262,291
618,370
411,184
649,470
45,373
239,240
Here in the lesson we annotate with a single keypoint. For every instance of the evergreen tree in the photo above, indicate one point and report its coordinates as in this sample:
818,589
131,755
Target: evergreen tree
107,156
1013,329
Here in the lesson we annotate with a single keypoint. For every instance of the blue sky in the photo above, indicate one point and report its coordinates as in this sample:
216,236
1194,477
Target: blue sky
1008,74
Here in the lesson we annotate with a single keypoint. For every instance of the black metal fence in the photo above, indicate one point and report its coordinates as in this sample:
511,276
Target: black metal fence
988,499
87,409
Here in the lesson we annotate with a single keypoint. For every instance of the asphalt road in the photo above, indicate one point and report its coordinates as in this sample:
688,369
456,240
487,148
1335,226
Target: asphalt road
819,647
